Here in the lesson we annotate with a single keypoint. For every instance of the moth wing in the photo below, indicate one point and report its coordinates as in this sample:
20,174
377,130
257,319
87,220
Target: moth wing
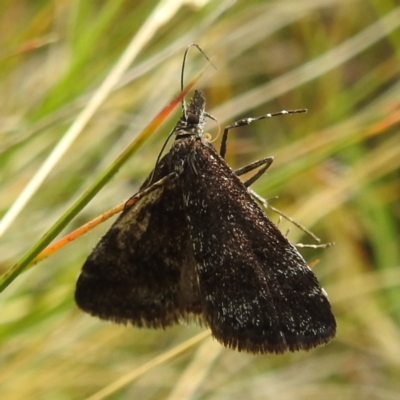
257,292
142,271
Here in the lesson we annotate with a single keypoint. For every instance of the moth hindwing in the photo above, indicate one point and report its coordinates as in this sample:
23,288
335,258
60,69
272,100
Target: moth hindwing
195,245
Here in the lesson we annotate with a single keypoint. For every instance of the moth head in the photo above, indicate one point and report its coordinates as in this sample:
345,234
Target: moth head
193,112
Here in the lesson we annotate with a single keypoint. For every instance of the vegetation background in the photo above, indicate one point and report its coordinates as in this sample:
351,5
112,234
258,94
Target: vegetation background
336,171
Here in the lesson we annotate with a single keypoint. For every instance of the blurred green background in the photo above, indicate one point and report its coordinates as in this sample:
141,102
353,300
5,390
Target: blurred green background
336,171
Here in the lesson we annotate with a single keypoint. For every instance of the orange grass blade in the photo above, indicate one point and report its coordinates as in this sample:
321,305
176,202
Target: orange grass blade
49,250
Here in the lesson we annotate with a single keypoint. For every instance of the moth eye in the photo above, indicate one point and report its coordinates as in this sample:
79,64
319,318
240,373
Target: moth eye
192,119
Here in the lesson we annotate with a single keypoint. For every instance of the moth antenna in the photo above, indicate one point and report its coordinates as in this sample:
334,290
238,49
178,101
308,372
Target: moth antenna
185,56
183,68
184,103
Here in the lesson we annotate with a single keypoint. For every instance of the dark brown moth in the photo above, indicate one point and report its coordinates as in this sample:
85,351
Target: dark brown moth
196,246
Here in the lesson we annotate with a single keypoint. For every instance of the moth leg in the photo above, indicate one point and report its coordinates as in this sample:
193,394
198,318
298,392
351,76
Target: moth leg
265,204
266,162
248,121
144,192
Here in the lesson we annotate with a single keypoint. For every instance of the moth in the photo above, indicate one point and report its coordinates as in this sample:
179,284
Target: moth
193,245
